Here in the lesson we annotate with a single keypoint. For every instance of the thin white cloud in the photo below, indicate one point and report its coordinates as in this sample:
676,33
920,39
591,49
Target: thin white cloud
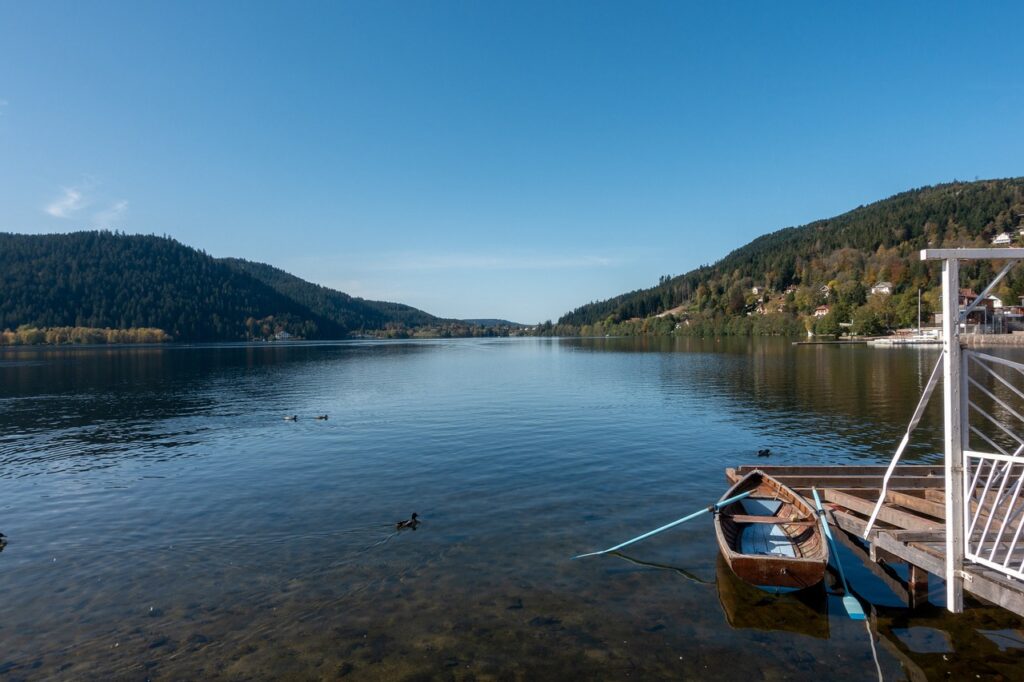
477,261
111,214
68,204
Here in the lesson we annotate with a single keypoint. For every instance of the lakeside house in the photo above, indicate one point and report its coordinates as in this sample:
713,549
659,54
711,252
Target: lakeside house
967,297
282,336
821,311
1002,239
982,314
884,288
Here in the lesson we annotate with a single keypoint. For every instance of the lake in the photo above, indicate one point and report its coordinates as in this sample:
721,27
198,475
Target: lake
164,520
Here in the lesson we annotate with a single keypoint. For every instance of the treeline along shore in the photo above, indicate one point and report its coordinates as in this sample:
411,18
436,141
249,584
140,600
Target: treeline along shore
56,336
858,272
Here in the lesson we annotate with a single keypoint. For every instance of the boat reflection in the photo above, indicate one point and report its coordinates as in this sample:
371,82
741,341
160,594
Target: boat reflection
803,612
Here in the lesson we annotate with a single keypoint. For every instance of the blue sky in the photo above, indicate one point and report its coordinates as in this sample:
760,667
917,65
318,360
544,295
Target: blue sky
485,159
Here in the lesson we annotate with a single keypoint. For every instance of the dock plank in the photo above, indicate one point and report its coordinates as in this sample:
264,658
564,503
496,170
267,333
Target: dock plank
852,470
917,504
896,517
910,526
857,481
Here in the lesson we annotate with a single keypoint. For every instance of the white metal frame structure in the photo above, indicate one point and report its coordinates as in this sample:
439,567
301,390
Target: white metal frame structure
994,479
984,505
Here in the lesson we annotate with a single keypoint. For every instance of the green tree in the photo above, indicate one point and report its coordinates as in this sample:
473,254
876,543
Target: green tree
866,322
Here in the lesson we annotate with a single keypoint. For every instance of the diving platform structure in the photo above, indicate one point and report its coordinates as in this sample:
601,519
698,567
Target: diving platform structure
961,520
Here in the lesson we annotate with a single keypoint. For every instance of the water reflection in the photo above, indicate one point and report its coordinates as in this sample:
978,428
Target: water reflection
804,612
170,524
933,644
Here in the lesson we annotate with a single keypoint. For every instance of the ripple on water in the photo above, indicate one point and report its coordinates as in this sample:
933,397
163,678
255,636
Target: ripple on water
166,522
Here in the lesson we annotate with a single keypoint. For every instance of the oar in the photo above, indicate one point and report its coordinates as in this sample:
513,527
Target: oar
713,508
850,603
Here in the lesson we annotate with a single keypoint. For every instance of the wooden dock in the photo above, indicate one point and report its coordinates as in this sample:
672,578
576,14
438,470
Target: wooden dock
910,528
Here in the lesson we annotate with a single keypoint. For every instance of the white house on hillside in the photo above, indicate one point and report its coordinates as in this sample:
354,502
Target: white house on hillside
1002,239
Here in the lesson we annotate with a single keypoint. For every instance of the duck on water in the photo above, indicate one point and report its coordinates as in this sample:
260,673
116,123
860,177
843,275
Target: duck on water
411,522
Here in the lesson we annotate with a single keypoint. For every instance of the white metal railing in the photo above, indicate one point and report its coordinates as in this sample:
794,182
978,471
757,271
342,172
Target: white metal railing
992,423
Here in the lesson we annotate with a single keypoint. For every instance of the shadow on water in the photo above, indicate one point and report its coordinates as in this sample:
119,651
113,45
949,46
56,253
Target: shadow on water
664,567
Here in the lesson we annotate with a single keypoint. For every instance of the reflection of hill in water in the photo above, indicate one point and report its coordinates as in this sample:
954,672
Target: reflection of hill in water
746,607
83,408
806,391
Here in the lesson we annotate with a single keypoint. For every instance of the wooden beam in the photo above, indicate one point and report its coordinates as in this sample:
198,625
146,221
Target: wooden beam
857,470
935,495
877,555
851,524
777,520
984,583
996,588
918,535
869,482
888,514
917,504
914,556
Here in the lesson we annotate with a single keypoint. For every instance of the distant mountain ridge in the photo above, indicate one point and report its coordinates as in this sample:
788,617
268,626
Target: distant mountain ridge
492,322
104,279
349,311
794,270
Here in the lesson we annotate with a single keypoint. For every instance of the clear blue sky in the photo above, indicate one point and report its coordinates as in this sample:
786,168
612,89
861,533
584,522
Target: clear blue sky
485,159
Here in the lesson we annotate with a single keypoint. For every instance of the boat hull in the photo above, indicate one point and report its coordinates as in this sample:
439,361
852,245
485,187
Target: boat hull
789,553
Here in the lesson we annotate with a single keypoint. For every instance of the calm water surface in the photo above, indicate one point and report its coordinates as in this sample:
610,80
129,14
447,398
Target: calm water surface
165,522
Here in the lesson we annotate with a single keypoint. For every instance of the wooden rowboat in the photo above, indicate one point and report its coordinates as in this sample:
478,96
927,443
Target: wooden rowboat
772,538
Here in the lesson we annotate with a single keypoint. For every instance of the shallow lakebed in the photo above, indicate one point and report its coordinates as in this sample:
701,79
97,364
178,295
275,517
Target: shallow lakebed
165,521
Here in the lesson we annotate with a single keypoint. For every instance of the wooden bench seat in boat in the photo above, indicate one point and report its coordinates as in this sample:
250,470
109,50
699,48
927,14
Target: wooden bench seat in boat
746,518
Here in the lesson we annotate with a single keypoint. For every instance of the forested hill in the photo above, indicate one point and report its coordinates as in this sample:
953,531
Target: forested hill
847,255
104,279
348,311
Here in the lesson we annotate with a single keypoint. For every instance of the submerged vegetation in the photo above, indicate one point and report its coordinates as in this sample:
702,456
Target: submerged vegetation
858,271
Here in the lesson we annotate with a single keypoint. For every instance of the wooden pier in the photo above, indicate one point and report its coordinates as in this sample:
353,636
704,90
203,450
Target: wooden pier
910,528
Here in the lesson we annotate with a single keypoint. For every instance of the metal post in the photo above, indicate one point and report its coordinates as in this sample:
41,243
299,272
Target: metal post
952,391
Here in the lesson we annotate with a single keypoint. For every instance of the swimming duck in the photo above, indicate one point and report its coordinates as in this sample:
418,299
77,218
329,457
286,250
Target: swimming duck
408,523
291,418
766,452
322,417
